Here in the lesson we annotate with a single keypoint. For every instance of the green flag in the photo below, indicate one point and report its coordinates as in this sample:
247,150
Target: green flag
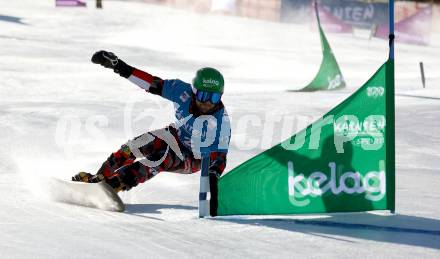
329,76
344,162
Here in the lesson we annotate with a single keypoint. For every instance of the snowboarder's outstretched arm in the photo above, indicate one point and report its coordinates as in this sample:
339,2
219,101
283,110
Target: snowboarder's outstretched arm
140,78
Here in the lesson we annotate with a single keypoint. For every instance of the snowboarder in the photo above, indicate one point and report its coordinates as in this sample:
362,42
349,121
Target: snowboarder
202,126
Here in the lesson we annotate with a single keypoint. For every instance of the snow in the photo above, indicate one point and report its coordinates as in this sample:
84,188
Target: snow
60,114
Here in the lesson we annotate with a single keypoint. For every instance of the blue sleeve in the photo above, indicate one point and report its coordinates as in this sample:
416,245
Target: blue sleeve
174,89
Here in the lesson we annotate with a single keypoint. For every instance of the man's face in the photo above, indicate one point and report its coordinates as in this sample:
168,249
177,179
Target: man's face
205,107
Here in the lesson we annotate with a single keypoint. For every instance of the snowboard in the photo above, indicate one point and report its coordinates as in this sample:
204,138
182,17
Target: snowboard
94,195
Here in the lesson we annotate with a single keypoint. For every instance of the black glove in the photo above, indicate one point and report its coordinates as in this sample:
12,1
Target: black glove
110,60
214,173
105,59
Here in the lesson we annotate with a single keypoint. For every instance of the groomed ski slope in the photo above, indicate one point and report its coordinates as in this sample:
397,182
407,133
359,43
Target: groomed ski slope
60,114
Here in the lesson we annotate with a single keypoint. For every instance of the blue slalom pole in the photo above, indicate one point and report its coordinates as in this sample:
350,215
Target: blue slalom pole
204,186
391,110
391,27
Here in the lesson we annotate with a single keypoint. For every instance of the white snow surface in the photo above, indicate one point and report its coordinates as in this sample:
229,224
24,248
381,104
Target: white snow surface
60,114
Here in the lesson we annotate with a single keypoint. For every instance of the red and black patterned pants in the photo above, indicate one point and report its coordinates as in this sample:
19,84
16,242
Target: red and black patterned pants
157,156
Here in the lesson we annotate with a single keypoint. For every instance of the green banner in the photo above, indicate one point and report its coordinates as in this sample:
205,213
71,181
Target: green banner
329,76
343,162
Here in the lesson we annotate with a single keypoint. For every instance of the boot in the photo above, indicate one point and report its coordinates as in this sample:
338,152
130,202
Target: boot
114,181
87,177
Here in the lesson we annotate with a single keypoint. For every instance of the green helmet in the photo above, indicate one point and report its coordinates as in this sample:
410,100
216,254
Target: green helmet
209,79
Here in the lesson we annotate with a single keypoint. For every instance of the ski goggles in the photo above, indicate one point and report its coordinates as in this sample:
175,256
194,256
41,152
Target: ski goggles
203,96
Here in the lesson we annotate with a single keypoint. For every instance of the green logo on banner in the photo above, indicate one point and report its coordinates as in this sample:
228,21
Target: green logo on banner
302,188
343,162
